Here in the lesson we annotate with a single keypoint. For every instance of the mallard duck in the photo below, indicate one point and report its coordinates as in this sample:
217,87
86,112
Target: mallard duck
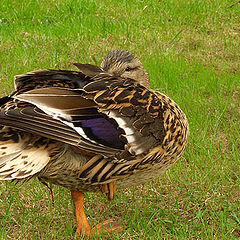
96,129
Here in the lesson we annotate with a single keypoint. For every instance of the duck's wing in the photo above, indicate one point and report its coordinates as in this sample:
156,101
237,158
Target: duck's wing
54,122
115,117
111,116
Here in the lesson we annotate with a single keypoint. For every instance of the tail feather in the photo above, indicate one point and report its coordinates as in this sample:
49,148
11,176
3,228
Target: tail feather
19,158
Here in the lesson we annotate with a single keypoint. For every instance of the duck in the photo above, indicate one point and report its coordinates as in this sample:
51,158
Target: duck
97,129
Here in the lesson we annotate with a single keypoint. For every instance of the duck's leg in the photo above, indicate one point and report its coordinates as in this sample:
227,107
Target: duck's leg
83,226
109,189
82,222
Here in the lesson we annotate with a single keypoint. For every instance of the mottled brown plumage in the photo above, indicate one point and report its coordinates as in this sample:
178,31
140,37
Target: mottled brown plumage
93,130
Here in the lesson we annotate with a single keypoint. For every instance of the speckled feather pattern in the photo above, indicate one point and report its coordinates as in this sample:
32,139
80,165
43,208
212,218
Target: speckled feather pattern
54,112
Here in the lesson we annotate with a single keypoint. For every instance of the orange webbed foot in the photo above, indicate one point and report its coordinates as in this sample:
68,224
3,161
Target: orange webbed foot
107,227
83,227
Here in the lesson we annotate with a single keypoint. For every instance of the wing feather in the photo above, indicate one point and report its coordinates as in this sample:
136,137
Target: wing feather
30,120
107,115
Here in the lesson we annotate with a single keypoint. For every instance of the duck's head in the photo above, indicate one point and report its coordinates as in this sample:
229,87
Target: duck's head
123,64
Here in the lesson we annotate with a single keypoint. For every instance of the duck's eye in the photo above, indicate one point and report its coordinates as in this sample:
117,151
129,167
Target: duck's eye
128,69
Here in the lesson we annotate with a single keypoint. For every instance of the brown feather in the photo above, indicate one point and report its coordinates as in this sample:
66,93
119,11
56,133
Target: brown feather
88,69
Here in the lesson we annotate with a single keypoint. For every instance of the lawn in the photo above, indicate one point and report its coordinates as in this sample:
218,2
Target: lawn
191,49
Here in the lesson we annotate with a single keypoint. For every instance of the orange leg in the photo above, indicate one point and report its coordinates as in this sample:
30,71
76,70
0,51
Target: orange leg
82,223
109,189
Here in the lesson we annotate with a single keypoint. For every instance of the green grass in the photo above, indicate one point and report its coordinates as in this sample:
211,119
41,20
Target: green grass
192,52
